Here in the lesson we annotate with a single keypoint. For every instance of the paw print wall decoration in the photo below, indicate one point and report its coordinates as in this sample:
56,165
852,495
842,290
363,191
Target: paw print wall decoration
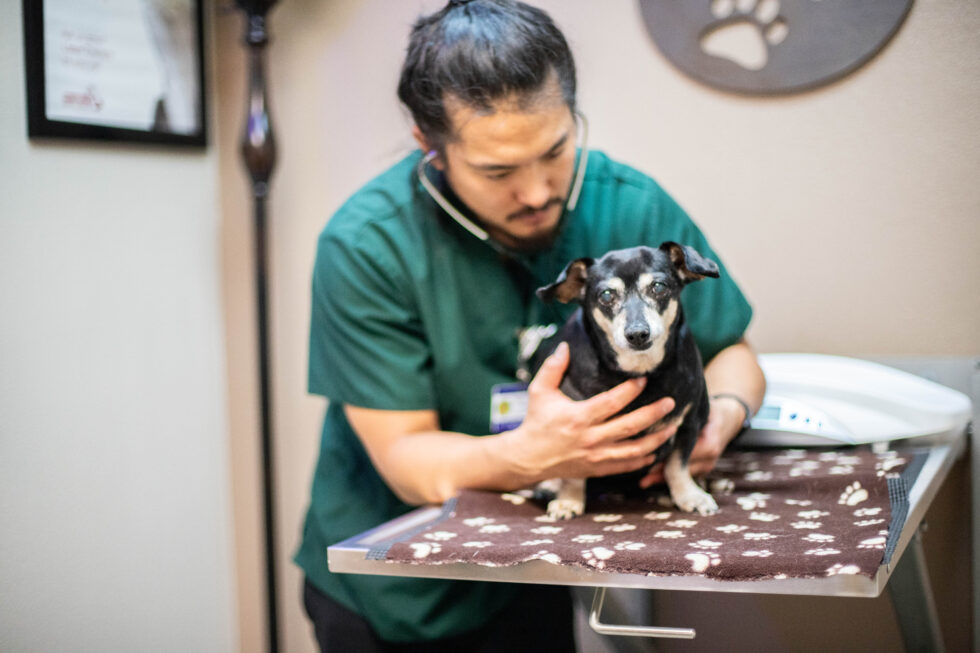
771,46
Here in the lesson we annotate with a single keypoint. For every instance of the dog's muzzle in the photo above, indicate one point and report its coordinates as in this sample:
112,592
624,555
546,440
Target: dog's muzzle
641,327
638,335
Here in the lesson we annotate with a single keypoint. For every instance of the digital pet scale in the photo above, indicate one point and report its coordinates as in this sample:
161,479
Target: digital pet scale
815,400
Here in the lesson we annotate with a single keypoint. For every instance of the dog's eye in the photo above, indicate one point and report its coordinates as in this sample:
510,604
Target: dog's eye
607,297
658,287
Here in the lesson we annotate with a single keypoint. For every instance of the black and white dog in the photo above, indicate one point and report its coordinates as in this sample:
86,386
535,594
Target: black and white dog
629,324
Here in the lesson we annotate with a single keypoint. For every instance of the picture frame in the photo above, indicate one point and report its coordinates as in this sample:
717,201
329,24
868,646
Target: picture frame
116,70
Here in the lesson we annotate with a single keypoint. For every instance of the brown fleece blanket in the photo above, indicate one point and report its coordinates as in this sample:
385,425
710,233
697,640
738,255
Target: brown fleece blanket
783,514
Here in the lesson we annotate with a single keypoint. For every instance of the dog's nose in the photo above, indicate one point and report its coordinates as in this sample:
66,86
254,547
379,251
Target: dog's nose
638,335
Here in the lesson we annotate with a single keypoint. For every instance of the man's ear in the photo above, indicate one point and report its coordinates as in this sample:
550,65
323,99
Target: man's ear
426,147
690,265
570,284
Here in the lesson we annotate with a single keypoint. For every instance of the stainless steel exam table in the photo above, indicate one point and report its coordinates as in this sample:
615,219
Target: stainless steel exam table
909,586
905,576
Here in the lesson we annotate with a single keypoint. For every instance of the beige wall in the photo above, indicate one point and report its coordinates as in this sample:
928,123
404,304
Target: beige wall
115,508
850,214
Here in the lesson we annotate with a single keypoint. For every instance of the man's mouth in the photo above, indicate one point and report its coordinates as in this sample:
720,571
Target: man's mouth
534,215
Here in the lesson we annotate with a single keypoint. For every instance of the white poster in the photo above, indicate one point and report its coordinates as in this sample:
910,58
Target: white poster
131,64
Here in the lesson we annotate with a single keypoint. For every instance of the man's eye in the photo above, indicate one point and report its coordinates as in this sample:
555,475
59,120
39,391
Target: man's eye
607,297
554,154
498,175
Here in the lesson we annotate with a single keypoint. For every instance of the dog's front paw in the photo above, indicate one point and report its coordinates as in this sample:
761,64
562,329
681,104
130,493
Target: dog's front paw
694,499
565,508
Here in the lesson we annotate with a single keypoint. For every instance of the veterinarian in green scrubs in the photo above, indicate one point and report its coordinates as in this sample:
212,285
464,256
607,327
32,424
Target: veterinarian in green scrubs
415,318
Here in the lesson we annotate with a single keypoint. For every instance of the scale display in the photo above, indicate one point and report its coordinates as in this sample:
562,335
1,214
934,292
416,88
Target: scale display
817,400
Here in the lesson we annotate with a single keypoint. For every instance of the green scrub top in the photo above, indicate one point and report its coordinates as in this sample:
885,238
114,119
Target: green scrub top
412,312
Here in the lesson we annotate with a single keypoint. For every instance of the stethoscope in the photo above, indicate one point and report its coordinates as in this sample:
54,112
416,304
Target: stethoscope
469,225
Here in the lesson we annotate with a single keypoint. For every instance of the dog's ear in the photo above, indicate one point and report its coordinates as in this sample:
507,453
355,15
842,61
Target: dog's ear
570,284
690,265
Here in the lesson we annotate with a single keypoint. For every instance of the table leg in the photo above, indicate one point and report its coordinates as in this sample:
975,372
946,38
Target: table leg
913,601
634,631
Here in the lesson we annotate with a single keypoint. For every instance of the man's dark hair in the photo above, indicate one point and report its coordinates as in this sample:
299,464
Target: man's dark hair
479,52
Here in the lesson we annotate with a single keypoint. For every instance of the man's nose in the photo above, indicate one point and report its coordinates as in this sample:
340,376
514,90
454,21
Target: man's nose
534,187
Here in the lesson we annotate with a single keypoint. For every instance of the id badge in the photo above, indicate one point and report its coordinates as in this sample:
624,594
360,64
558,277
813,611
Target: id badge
508,406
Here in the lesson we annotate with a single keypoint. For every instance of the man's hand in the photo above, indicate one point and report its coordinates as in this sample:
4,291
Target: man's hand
563,438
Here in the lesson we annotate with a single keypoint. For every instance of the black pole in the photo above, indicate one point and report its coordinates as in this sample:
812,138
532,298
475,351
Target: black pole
259,153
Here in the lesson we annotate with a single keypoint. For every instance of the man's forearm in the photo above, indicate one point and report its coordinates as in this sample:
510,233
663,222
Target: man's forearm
430,467
735,371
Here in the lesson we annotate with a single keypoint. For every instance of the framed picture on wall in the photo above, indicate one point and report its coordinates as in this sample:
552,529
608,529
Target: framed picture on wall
118,70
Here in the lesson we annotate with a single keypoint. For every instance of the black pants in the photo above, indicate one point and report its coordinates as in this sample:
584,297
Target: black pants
538,620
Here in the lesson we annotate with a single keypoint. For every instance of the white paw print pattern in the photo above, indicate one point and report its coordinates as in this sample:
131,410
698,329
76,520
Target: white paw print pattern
620,528
607,518
853,494
873,543
545,519
701,561
812,514
753,501
866,512
799,502
763,516
657,516
841,470
762,553
587,539
495,528
597,556
821,551
547,556
819,538
477,545
731,528
804,468
537,542
669,535
630,546
440,536
478,521
885,466
843,570
421,550
705,544
758,476
547,530
869,522
790,457
722,486
682,523
784,460
515,499
806,524
759,537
